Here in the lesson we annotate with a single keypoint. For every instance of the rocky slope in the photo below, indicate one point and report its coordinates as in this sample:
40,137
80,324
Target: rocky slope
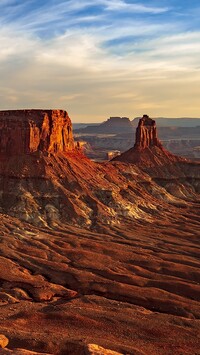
56,183
101,254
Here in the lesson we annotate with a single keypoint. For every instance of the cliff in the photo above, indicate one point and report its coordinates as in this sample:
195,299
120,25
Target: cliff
28,131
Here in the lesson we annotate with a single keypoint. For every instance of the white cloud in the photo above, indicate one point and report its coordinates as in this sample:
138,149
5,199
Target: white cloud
67,12
120,5
156,69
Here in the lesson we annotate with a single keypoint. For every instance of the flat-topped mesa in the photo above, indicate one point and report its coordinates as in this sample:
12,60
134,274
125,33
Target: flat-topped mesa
29,131
146,134
118,120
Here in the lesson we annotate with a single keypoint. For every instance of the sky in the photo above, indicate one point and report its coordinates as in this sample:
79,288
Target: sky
101,58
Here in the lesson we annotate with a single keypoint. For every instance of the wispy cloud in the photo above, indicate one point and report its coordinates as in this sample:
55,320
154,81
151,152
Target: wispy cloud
121,5
111,57
36,15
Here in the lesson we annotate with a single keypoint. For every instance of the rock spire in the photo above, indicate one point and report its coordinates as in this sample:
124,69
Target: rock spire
147,151
146,133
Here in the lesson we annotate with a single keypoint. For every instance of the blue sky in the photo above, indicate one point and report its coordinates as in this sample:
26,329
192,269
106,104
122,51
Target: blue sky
101,58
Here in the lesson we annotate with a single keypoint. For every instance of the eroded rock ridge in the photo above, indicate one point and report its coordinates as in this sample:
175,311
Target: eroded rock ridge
28,131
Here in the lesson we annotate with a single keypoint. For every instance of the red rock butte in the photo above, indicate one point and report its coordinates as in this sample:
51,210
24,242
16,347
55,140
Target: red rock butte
28,131
146,133
148,151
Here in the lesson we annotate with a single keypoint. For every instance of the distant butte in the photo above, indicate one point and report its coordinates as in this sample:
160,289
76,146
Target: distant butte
146,133
28,131
148,151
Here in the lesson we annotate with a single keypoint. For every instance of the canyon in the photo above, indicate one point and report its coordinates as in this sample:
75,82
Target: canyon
96,257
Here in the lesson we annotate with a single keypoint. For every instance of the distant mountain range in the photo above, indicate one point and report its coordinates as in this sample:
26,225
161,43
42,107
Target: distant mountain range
172,122
117,125
113,125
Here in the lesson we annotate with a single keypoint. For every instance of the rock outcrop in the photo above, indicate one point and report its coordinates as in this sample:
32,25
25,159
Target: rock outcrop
3,341
146,133
179,176
29,131
94,349
148,151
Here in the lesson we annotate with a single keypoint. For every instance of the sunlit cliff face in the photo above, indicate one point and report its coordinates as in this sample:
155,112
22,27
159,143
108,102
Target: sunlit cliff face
28,131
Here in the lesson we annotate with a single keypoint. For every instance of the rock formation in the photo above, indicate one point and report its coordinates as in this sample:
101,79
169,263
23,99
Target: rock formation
93,349
148,151
146,133
29,131
3,341
179,176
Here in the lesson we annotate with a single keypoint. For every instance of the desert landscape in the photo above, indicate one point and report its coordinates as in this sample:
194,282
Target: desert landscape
99,177
115,135
96,258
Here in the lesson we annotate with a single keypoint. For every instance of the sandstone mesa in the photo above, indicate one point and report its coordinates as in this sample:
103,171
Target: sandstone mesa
29,131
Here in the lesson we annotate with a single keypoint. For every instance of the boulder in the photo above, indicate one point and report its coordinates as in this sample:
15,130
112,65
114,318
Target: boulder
3,341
